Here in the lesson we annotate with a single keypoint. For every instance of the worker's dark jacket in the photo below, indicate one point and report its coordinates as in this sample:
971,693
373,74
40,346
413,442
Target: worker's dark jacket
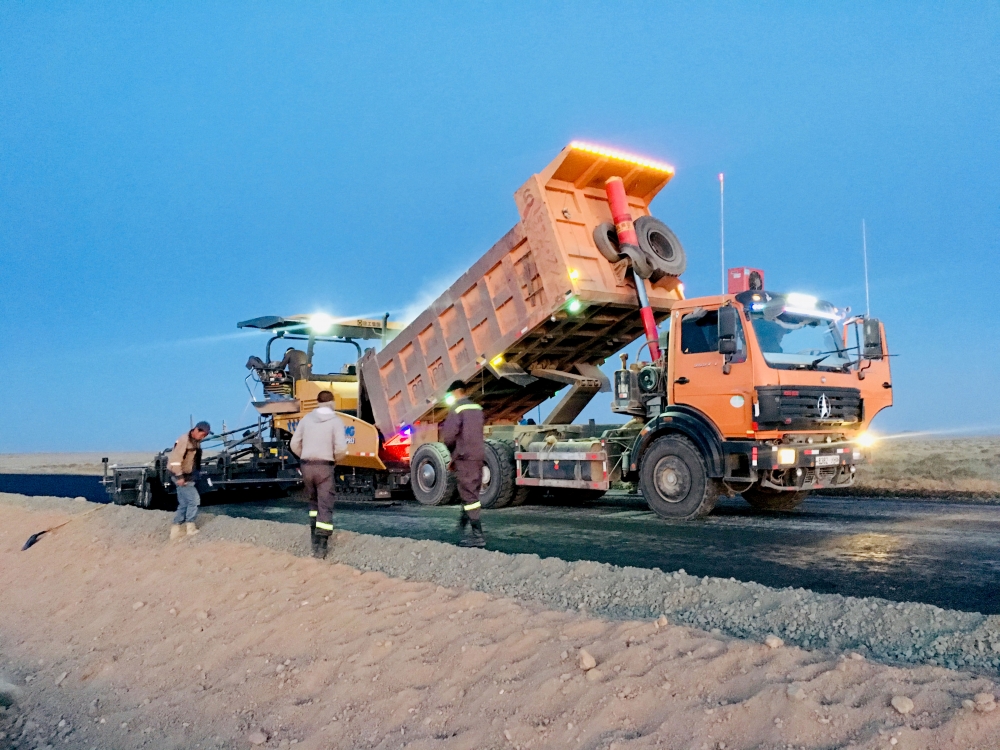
297,362
462,432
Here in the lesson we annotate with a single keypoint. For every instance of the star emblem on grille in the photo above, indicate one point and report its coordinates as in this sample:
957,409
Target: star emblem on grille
823,404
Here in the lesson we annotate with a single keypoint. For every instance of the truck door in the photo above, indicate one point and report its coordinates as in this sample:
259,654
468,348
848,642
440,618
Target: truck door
698,377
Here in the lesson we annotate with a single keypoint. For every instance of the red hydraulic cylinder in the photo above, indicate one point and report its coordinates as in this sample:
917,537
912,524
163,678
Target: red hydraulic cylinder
615,189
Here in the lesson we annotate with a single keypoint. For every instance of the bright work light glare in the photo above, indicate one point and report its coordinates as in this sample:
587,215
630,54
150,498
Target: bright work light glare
574,306
786,456
574,274
449,399
865,440
497,360
321,322
801,300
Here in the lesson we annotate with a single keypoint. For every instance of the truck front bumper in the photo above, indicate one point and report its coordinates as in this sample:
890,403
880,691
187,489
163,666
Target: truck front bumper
796,466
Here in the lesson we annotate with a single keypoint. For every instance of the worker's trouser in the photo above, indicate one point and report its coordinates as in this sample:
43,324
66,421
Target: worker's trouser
317,476
188,501
470,482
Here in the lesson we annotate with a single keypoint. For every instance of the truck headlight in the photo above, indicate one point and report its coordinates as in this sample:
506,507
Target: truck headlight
865,440
786,456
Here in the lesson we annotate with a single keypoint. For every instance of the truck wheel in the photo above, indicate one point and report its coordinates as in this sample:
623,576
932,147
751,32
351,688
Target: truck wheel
498,474
606,239
665,252
768,498
674,480
430,479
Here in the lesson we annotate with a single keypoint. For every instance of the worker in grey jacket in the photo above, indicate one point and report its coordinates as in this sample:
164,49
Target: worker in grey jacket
319,442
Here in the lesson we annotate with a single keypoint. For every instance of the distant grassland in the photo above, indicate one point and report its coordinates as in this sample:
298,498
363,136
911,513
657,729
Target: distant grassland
939,466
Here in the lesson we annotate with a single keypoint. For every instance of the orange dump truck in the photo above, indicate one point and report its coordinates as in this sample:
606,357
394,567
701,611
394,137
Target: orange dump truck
754,392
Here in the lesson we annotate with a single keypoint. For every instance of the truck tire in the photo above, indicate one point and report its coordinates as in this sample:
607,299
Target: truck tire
674,479
606,239
665,253
768,498
430,479
498,474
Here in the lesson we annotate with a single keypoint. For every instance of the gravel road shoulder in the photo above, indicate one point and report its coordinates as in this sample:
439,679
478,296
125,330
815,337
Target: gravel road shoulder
881,630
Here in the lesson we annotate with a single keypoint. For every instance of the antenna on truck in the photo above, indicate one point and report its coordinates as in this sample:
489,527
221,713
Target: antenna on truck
864,249
722,226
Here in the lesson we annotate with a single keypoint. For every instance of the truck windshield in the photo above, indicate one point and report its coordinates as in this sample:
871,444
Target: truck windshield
798,339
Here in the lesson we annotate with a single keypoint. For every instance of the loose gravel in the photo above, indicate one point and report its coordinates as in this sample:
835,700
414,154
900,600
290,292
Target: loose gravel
881,630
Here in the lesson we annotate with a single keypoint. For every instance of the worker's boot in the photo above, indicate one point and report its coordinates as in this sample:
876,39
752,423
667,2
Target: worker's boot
314,543
176,531
463,520
475,538
320,547
192,529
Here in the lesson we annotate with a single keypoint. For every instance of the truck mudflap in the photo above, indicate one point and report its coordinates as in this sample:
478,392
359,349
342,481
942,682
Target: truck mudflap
568,469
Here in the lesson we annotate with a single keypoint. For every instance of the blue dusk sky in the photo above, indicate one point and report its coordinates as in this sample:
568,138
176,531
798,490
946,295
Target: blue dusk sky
168,169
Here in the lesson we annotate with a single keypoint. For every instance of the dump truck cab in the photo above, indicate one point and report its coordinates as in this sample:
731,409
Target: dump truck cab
759,393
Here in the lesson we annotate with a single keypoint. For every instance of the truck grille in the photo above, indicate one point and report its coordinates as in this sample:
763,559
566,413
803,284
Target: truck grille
807,407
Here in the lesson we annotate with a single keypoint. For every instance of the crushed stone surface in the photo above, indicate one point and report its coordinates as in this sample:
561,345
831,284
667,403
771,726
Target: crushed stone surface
239,644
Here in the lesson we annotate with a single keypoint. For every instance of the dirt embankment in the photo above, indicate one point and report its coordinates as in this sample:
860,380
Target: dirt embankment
122,639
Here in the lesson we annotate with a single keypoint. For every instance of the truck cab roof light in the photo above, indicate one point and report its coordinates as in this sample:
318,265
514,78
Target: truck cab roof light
801,300
811,312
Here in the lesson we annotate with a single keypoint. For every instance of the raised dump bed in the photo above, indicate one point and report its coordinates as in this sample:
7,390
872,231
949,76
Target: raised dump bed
540,310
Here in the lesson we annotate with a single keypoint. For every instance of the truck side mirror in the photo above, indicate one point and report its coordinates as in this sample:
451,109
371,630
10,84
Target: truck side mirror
728,322
872,346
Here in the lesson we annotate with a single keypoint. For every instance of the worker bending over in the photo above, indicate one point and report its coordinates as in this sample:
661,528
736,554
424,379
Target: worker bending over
462,434
319,442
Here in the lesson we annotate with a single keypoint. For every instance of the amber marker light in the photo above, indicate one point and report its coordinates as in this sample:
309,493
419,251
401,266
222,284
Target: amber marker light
611,153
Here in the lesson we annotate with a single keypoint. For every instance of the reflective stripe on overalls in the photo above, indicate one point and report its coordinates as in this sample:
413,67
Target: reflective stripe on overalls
463,407
313,513
324,526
